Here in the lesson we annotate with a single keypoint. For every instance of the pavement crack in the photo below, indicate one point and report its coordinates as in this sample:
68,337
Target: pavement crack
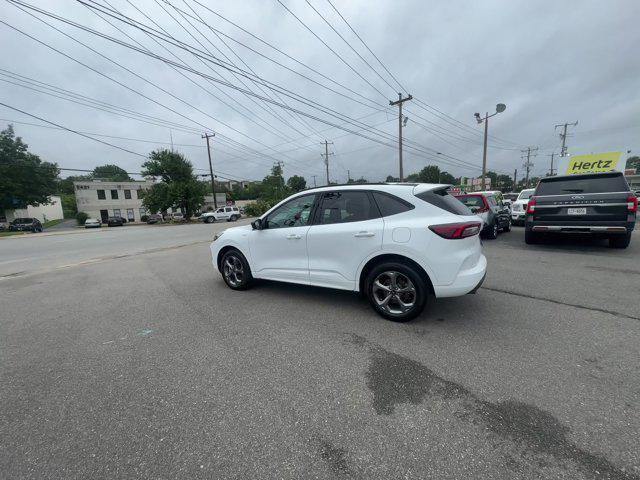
394,380
559,302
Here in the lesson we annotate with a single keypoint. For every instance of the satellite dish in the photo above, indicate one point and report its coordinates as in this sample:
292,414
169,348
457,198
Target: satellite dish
501,107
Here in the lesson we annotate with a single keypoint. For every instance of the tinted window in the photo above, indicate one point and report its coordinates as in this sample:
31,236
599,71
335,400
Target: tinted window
390,205
114,194
343,207
471,200
595,184
442,199
101,195
294,213
492,200
127,194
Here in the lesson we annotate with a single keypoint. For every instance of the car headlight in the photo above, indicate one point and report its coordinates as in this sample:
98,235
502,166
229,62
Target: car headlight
217,236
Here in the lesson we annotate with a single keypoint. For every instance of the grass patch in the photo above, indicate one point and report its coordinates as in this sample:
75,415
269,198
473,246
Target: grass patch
51,223
9,234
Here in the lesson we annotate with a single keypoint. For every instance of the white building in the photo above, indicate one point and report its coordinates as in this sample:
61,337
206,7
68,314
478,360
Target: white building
44,213
103,199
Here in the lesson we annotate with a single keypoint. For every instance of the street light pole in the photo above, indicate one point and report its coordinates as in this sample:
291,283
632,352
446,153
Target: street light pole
501,107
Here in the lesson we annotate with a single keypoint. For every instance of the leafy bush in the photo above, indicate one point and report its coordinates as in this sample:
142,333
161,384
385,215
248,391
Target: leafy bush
144,218
81,217
257,208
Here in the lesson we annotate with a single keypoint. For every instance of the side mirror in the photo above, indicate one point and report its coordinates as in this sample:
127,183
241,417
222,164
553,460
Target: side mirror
256,224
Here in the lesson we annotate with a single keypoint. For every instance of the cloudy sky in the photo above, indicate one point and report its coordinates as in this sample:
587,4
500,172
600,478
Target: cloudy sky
550,62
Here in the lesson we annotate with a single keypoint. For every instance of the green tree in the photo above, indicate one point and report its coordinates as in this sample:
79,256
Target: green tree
429,174
392,179
179,188
296,183
446,177
111,172
633,162
24,178
273,185
504,183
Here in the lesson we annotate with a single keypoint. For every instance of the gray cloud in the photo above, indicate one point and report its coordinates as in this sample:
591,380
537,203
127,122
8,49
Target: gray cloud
550,62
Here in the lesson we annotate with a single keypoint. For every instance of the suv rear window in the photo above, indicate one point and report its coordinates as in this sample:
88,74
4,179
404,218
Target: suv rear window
442,199
591,184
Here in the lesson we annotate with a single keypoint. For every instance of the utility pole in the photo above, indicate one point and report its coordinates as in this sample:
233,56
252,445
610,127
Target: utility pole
515,180
527,165
563,136
348,176
326,157
551,169
213,181
501,107
399,102
314,181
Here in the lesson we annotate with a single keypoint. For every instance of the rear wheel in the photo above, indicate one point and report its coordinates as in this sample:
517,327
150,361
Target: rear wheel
234,218
235,270
507,227
531,237
621,241
492,230
396,291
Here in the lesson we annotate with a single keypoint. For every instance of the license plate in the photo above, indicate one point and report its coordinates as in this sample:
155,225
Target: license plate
577,211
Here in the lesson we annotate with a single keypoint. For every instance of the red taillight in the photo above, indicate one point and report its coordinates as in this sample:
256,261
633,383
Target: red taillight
456,230
531,206
632,203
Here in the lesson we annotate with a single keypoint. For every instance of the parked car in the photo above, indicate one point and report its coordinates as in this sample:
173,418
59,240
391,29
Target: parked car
230,214
178,217
511,196
92,223
25,225
488,206
400,244
519,206
595,204
154,218
115,222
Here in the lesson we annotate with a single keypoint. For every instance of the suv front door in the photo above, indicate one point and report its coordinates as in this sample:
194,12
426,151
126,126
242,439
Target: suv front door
279,250
347,229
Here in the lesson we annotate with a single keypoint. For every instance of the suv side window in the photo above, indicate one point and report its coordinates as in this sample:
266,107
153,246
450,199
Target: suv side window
346,206
390,205
294,213
492,200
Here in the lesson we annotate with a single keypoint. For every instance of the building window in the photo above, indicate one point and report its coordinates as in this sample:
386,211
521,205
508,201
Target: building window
130,216
116,212
143,212
114,194
127,194
101,195
133,193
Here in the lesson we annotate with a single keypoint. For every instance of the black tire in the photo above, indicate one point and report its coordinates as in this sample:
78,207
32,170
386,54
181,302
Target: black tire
531,237
234,218
393,309
230,277
620,241
492,230
507,227
210,219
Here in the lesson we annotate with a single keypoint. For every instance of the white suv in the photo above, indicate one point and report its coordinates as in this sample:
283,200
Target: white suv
519,206
230,214
399,244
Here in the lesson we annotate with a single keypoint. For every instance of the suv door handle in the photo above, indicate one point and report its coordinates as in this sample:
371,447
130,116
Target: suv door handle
293,236
364,234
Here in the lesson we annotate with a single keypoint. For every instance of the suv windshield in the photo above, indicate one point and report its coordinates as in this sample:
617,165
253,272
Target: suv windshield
590,184
525,194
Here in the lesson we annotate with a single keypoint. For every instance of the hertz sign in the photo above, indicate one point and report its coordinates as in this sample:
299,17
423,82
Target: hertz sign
593,163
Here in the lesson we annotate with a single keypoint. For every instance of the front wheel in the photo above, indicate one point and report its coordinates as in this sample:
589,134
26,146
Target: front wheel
396,291
507,227
234,218
621,241
210,219
235,270
492,231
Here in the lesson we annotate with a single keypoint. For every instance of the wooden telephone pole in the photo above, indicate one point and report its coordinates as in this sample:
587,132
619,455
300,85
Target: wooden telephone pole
399,102
213,181
326,157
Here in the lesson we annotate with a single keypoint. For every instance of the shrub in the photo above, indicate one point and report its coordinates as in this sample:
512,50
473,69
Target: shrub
144,218
81,217
257,208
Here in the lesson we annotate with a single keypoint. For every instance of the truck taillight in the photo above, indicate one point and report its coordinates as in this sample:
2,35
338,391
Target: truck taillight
454,231
632,203
531,206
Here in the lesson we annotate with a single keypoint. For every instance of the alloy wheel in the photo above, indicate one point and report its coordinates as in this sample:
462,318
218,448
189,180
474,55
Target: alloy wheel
234,271
394,292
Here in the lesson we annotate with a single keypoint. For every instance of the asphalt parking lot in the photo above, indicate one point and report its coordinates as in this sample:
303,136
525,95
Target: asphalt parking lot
124,355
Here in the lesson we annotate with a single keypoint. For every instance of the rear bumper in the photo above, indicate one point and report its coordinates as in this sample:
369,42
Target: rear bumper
467,281
584,227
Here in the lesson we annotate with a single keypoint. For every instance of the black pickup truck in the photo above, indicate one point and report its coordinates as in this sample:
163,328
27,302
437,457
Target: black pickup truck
595,204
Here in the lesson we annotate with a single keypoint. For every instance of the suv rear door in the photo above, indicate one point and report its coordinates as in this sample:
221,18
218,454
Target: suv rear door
597,199
347,229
